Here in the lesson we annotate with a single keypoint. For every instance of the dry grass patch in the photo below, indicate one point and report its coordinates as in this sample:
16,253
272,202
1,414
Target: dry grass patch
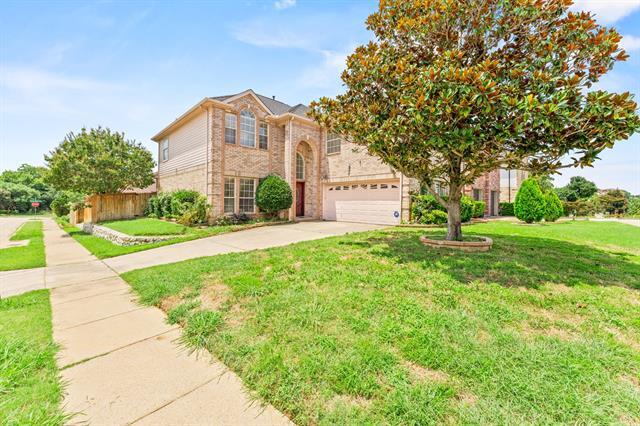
420,373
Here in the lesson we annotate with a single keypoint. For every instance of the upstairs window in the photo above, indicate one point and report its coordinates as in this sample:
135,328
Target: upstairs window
230,129
165,150
263,137
333,143
247,129
299,167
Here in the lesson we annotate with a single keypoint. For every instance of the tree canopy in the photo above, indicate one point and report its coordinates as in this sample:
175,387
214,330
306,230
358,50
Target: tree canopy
99,161
449,90
578,188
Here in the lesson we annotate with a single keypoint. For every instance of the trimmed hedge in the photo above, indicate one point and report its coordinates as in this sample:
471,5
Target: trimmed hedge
506,209
553,207
424,206
479,208
273,195
530,205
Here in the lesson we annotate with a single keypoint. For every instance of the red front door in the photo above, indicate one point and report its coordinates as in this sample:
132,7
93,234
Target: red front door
299,199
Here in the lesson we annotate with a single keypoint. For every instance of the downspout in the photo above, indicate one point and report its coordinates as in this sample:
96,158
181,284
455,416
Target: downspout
402,197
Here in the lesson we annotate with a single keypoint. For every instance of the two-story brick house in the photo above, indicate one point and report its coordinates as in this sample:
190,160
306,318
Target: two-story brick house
223,145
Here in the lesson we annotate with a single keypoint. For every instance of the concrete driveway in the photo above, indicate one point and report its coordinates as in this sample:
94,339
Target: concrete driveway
257,238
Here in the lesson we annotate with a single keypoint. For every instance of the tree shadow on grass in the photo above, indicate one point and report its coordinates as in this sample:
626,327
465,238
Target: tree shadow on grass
513,261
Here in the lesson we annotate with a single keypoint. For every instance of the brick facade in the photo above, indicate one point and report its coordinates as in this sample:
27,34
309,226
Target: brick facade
210,159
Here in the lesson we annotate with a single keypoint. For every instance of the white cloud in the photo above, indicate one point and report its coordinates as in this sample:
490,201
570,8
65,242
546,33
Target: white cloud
325,74
25,79
607,11
284,4
263,34
630,43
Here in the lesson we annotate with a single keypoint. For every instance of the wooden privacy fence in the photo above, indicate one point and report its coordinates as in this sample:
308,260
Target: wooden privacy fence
103,207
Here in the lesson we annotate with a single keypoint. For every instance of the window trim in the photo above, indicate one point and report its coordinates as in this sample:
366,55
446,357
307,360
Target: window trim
260,127
164,150
332,137
235,129
244,115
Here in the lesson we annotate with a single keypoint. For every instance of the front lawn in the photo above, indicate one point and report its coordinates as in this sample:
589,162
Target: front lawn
374,328
103,249
30,388
25,257
146,226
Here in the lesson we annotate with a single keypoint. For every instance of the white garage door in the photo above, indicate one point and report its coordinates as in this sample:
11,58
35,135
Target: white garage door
377,202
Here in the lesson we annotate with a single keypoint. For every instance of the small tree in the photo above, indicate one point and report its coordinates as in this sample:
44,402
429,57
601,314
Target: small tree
530,204
614,201
553,206
449,90
273,195
578,188
99,161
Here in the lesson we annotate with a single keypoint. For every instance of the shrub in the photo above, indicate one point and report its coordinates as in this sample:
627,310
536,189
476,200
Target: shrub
273,195
63,201
182,200
437,217
634,206
194,213
234,219
164,204
579,208
553,206
153,207
530,202
479,208
423,205
506,209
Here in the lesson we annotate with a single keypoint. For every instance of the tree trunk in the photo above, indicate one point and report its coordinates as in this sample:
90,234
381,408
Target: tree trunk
454,224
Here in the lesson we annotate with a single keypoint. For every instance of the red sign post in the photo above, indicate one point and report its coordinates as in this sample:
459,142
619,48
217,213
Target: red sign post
35,205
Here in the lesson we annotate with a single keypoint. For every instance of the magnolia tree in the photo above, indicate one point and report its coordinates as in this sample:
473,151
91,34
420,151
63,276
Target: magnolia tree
449,90
99,161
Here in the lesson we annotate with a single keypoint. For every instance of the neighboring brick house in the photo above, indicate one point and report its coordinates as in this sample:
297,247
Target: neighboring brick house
510,181
223,145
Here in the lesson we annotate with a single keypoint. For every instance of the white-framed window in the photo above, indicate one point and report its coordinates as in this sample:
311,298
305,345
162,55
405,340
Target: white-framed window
247,195
230,126
229,195
263,136
299,166
247,129
508,178
333,143
165,150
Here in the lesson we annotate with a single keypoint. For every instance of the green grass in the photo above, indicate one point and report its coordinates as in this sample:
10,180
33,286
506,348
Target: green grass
25,257
146,226
30,389
103,249
375,328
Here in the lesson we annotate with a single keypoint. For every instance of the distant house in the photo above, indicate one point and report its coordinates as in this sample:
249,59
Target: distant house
510,181
224,145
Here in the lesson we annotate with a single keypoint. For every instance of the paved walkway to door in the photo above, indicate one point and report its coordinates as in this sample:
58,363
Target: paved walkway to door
121,361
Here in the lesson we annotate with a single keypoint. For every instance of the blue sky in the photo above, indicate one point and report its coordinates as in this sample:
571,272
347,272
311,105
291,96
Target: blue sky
134,66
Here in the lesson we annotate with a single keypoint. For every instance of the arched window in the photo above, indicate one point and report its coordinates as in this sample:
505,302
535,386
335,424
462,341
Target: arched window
299,167
247,129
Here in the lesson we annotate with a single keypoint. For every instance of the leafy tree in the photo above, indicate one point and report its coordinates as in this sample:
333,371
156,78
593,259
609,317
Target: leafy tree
99,161
63,201
449,90
16,196
530,204
634,206
34,178
273,195
553,206
614,201
545,182
578,188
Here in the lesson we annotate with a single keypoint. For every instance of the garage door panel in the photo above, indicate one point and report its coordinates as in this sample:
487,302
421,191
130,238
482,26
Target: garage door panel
367,203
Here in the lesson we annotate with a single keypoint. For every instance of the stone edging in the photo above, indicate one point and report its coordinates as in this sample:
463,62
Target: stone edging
120,238
468,246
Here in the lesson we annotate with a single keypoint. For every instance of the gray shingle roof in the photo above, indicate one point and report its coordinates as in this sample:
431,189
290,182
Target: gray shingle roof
276,107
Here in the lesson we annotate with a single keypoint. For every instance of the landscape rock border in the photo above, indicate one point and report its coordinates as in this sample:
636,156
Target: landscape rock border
467,246
122,239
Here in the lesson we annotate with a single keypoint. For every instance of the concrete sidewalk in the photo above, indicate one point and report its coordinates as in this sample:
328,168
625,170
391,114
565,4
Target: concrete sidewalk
121,361
251,239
